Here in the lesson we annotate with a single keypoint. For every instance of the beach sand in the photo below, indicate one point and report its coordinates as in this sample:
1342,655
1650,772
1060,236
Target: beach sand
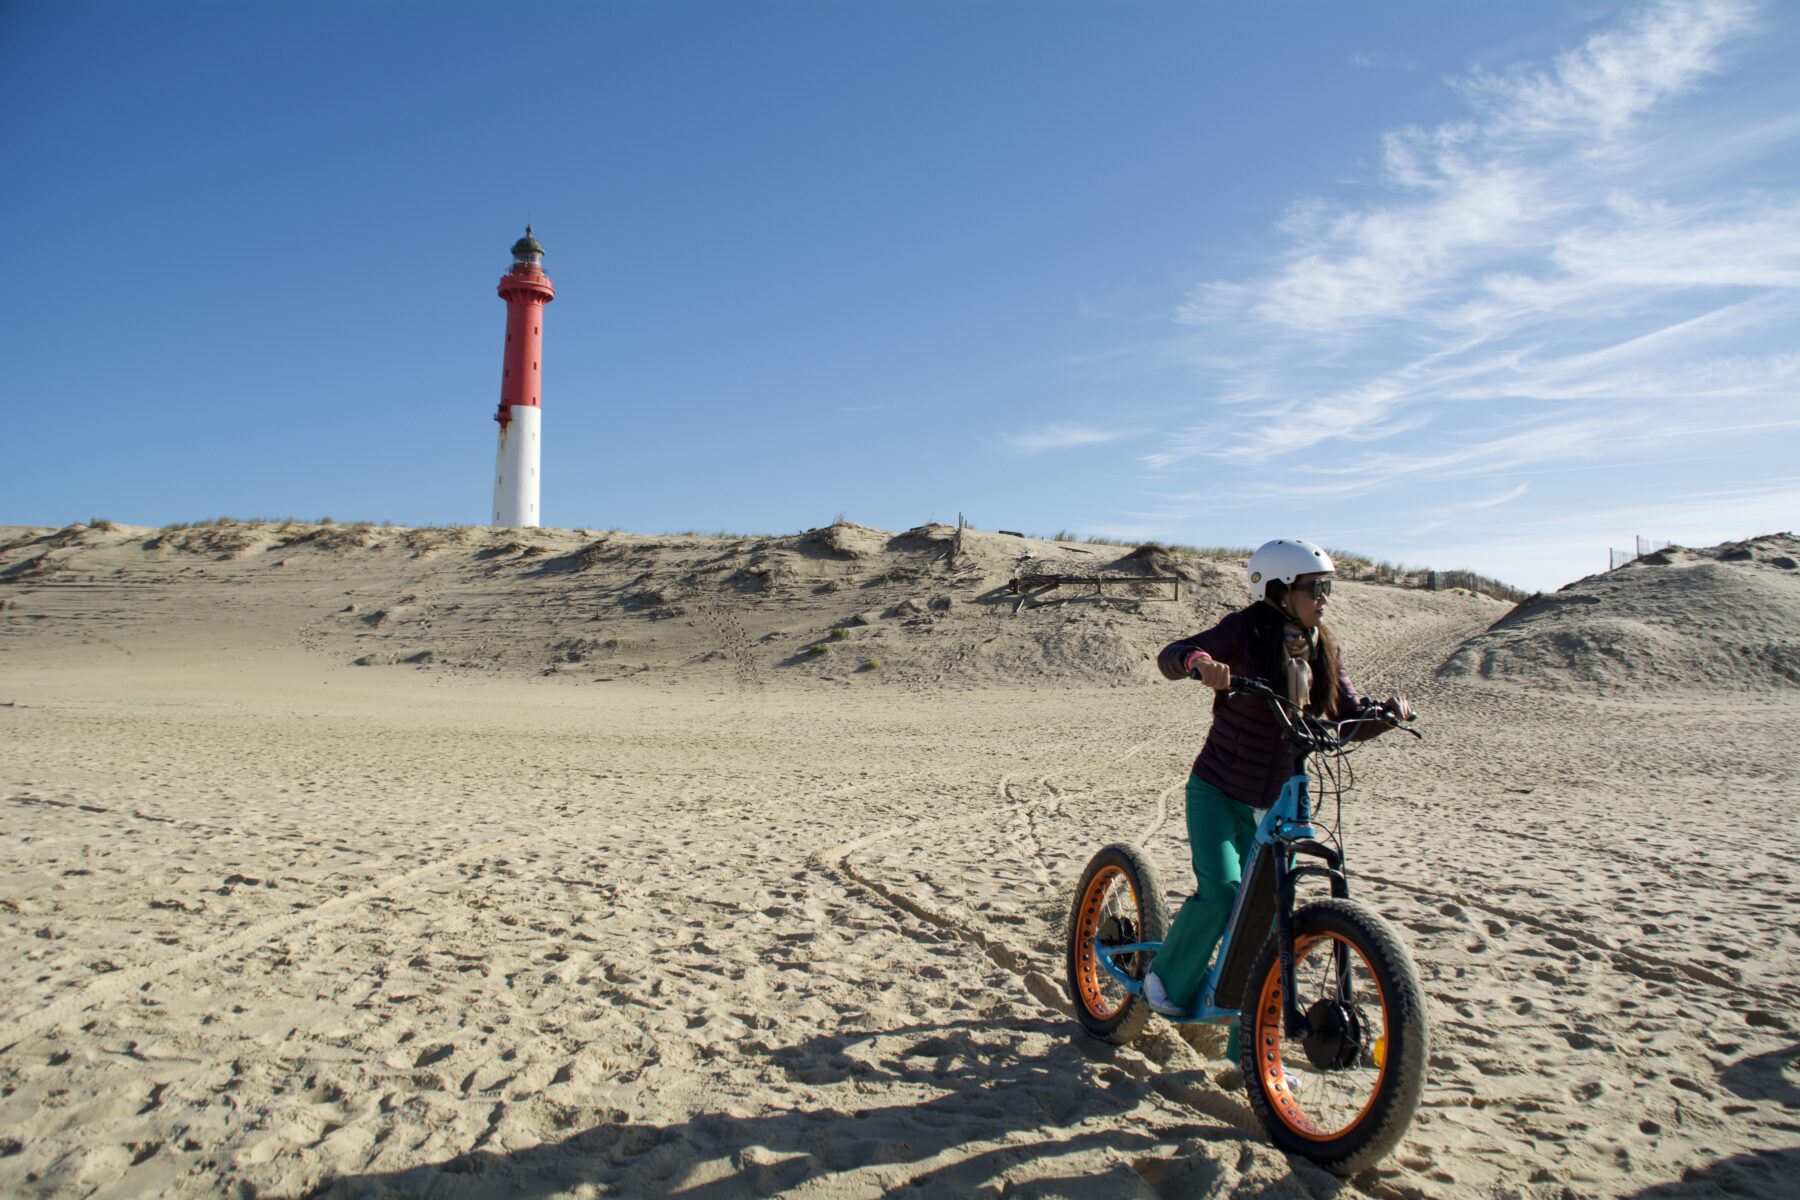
598,880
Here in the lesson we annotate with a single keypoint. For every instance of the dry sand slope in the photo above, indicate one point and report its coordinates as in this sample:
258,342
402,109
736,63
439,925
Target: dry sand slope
626,890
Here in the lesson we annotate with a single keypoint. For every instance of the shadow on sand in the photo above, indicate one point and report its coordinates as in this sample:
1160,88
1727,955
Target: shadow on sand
1757,1174
1027,1109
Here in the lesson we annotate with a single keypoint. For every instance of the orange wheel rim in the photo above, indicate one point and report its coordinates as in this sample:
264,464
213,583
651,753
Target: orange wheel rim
1091,978
1311,1117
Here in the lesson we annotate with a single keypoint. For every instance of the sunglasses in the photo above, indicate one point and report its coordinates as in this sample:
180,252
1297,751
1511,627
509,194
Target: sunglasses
1318,587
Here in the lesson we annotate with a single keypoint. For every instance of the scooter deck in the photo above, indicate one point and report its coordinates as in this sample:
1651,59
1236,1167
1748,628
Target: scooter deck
1204,1014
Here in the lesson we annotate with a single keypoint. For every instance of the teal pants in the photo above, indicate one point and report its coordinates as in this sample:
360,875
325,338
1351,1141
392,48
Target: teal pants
1220,831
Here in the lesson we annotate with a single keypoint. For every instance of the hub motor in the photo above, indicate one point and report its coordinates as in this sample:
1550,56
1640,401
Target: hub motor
1334,1035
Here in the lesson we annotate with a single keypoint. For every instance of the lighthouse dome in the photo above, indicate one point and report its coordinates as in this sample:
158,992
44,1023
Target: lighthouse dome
528,249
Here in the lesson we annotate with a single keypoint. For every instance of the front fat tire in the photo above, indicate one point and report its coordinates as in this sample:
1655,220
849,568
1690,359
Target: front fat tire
1385,1122
1104,1009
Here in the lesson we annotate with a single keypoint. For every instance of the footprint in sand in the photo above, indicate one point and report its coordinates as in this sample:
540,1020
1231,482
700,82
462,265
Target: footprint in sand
1581,1039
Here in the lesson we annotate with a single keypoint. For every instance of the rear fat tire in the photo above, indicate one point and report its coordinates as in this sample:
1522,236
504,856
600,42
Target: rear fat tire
1104,1009
1385,1121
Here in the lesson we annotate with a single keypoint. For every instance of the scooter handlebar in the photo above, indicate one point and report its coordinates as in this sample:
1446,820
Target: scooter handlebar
1294,718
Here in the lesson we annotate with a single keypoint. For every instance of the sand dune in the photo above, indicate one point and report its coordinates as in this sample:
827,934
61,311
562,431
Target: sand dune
1721,619
599,879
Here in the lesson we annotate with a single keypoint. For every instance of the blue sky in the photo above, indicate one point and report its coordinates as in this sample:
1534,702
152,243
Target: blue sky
1469,285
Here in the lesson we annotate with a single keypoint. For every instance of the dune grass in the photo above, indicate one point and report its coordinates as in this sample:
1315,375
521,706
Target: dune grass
1350,564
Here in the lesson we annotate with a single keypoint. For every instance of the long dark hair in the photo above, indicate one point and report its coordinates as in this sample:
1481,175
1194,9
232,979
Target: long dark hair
1270,623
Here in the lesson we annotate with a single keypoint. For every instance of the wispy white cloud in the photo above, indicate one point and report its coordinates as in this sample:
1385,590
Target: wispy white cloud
1514,185
1551,313
1382,60
1560,547
1383,263
1057,437
1448,513
1673,361
1503,498
1598,90
1525,253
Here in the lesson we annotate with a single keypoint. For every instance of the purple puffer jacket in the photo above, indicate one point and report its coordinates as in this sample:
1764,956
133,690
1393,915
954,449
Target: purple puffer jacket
1246,755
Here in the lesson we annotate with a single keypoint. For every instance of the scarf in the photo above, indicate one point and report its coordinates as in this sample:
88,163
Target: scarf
1301,645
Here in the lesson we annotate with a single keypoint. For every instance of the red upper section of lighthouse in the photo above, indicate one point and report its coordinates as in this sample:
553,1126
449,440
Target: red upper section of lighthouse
526,289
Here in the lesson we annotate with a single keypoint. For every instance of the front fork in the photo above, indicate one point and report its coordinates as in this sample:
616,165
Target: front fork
1287,876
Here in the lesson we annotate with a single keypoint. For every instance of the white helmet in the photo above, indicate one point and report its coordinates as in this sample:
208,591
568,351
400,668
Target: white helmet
1285,559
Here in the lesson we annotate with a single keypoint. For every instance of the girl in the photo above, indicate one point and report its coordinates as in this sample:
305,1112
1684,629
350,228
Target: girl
1282,639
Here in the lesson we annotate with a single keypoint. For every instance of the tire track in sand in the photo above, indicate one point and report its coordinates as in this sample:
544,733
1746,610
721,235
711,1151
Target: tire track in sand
838,860
326,913
1039,986
1642,957
132,978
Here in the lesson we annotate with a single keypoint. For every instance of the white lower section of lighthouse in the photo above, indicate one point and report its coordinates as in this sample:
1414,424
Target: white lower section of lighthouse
516,469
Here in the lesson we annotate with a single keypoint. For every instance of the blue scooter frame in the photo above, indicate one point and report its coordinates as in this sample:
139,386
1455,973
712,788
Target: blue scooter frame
1333,1069
1285,830
1265,897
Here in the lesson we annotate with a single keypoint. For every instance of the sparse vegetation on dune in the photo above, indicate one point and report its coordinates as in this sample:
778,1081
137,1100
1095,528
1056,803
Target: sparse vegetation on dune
280,523
1356,566
1063,535
1351,564
836,597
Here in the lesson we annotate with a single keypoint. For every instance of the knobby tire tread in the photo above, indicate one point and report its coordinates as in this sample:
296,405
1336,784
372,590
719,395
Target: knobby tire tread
1409,1038
1129,1023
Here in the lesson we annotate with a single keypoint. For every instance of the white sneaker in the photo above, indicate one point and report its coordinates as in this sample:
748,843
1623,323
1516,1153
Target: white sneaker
1157,997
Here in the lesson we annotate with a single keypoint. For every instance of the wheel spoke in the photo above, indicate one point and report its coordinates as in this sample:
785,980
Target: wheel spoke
1322,1084
1109,904
1118,902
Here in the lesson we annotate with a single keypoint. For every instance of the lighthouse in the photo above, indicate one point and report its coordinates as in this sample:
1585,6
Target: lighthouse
526,289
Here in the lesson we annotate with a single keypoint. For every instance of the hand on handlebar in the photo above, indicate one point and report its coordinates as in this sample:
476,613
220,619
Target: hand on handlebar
1213,674
1393,713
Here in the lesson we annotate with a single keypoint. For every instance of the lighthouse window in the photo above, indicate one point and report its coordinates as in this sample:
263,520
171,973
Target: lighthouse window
534,329
534,364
